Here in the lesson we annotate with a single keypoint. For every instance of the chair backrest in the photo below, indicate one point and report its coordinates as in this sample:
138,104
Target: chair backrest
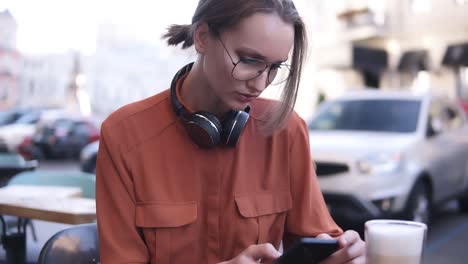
11,164
78,244
11,159
86,181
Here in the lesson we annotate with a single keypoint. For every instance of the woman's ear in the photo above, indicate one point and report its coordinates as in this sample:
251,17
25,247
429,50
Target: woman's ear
201,37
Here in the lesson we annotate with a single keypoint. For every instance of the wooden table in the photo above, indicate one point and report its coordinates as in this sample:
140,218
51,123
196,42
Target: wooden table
55,204
23,192
49,203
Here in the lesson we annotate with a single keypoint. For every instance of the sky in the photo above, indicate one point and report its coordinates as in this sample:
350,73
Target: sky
56,25
50,26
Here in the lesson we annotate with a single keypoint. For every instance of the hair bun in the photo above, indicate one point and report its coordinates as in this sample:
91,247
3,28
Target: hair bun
177,34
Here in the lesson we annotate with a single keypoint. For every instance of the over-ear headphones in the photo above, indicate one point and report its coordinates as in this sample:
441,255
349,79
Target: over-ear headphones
205,129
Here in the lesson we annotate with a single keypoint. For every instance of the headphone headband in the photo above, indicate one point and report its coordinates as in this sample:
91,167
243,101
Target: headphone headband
179,109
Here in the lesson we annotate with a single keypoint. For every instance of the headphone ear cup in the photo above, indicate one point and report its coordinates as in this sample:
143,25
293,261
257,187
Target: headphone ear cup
233,126
204,128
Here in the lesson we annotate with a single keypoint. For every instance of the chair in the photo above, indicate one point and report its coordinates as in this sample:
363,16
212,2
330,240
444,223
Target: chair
85,181
78,244
11,164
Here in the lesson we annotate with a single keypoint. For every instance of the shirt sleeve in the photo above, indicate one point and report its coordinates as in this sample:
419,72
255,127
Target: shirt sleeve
120,240
309,215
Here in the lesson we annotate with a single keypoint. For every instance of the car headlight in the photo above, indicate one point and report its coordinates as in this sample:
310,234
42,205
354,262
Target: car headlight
380,163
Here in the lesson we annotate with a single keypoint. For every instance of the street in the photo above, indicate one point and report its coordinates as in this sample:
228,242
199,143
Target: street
448,237
446,242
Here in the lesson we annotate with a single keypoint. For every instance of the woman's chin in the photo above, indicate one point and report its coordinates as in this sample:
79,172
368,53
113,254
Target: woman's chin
239,106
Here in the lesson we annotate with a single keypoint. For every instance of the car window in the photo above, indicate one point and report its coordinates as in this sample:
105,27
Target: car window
29,118
388,115
62,126
81,129
7,117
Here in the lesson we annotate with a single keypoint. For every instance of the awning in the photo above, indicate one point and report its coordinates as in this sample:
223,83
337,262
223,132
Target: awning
414,61
456,55
370,59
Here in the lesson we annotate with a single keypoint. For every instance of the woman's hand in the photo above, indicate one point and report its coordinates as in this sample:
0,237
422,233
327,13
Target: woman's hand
352,249
255,254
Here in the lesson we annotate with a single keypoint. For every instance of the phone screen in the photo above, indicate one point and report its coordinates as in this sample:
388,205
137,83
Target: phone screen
308,250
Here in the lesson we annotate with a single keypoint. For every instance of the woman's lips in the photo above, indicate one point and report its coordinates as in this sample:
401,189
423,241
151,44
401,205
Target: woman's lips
246,98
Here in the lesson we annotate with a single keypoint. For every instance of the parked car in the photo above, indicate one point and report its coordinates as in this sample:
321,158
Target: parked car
464,105
65,136
28,150
88,157
11,115
3,146
390,154
11,135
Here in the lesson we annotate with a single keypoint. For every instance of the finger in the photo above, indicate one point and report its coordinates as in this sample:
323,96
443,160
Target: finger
262,251
337,257
348,238
356,250
352,251
324,236
359,260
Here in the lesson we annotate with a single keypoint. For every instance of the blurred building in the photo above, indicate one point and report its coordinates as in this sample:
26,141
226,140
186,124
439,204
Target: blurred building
122,70
76,92
10,60
44,79
125,69
392,44
33,80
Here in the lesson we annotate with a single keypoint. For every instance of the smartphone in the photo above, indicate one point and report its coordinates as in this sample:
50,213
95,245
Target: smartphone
308,250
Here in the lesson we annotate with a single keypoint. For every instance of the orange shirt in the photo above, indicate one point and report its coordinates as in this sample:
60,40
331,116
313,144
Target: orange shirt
161,199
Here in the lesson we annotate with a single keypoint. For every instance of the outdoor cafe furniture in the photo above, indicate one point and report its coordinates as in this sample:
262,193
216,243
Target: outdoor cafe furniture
11,164
61,204
79,244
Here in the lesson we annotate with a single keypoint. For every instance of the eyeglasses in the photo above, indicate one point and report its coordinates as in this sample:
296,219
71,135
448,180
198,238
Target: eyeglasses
249,68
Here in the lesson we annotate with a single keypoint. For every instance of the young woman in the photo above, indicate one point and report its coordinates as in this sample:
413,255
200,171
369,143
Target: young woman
206,171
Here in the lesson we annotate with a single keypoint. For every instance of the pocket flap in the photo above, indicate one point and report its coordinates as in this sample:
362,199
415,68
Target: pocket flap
263,204
165,215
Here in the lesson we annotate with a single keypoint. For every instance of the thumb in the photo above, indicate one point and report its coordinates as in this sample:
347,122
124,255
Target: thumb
324,236
262,251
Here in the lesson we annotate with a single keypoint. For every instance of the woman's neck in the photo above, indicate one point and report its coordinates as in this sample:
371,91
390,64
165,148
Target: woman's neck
197,93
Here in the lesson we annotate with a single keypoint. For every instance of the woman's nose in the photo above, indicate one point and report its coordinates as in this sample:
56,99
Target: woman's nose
258,84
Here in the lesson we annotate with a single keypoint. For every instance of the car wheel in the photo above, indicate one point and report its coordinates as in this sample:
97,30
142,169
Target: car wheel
463,200
418,207
463,203
37,153
89,165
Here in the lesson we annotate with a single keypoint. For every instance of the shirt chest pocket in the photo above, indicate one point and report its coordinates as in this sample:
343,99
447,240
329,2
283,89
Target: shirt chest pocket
263,216
169,230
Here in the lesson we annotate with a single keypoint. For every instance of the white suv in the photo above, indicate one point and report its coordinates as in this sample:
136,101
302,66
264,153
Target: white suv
389,154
